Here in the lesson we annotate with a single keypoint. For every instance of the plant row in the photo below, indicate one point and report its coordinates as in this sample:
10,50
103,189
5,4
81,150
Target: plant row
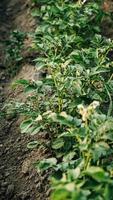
72,100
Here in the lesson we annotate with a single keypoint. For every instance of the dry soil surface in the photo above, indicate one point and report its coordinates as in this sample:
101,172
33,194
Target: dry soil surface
18,178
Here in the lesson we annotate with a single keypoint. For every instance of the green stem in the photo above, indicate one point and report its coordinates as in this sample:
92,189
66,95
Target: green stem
110,104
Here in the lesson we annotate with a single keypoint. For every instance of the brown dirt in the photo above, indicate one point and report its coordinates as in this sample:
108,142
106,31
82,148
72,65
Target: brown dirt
107,25
18,178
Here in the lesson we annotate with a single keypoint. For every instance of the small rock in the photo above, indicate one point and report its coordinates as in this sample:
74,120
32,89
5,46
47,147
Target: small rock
19,158
25,167
1,145
19,149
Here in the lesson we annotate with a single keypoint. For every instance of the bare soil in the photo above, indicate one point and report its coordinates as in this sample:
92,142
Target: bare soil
18,178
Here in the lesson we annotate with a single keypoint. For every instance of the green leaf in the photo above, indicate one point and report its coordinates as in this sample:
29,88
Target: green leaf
60,194
100,149
75,173
36,130
69,156
97,174
46,164
32,145
21,82
106,192
58,143
25,125
65,119
80,194
30,88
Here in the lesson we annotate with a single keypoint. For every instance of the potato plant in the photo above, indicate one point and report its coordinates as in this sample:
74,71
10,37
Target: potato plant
14,46
73,102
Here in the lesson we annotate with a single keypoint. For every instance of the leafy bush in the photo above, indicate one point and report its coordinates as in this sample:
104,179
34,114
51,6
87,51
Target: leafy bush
13,50
73,102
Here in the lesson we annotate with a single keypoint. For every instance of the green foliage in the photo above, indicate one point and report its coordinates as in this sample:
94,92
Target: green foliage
32,145
13,50
46,164
73,103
